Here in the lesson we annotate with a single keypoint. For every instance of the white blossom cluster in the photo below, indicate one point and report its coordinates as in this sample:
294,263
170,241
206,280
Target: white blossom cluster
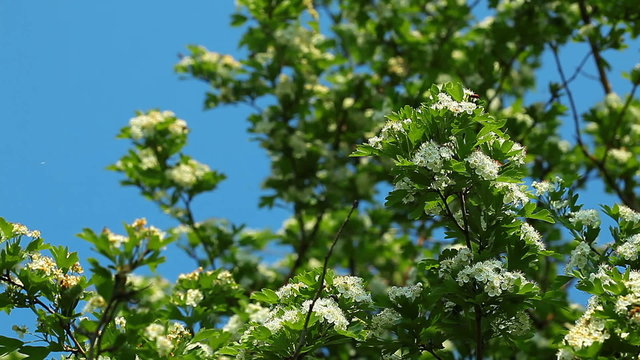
256,313
484,166
627,214
513,193
48,267
329,310
602,275
461,259
625,303
115,240
290,290
520,155
407,185
411,292
148,159
516,325
588,329
187,174
352,287
492,275
541,187
621,156
156,332
18,229
120,322
588,218
207,56
384,320
432,156
144,126
192,297
579,257
389,130
530,235
445,101
278,317
630,249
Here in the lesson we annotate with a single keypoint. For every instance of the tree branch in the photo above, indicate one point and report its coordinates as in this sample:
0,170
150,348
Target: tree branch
606,86
303,334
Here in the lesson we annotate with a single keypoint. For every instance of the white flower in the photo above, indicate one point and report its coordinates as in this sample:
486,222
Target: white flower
384,320
152,331
352,287
411,293
588,328
204,348
492,274
627,214
621,156
44,264
484,166
186,175
163,345
531,236
589,218
542,187
579,257
461,259
630,249
120,322
389,131
233,324
193,297
276,319
329,311
290,290
516,325
445,101
432,156
513,193
148,159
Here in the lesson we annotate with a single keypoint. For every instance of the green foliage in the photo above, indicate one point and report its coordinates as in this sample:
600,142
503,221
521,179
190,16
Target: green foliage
464,260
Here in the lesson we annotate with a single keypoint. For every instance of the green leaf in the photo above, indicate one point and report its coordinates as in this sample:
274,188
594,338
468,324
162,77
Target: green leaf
456,90
543,215
6,229
266,295
238,19
35,352
8,344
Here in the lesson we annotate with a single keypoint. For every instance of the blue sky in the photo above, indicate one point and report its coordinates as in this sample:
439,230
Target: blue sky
73,73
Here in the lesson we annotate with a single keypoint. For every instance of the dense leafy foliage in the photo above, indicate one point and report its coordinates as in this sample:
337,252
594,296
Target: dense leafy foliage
474,251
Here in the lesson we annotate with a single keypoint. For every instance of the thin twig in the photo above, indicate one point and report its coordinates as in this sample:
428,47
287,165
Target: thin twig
606,86
303,334
65,325
576,122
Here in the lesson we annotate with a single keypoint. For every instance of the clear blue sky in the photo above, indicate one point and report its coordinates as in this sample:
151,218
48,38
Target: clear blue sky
73,72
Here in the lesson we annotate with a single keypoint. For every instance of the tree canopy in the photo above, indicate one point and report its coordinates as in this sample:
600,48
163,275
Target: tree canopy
471,255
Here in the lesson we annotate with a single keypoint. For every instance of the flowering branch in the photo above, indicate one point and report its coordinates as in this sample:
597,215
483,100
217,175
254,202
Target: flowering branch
325,266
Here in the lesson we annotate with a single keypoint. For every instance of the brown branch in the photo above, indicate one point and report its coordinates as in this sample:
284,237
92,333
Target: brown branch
303,334
66,326
584,13
610,181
